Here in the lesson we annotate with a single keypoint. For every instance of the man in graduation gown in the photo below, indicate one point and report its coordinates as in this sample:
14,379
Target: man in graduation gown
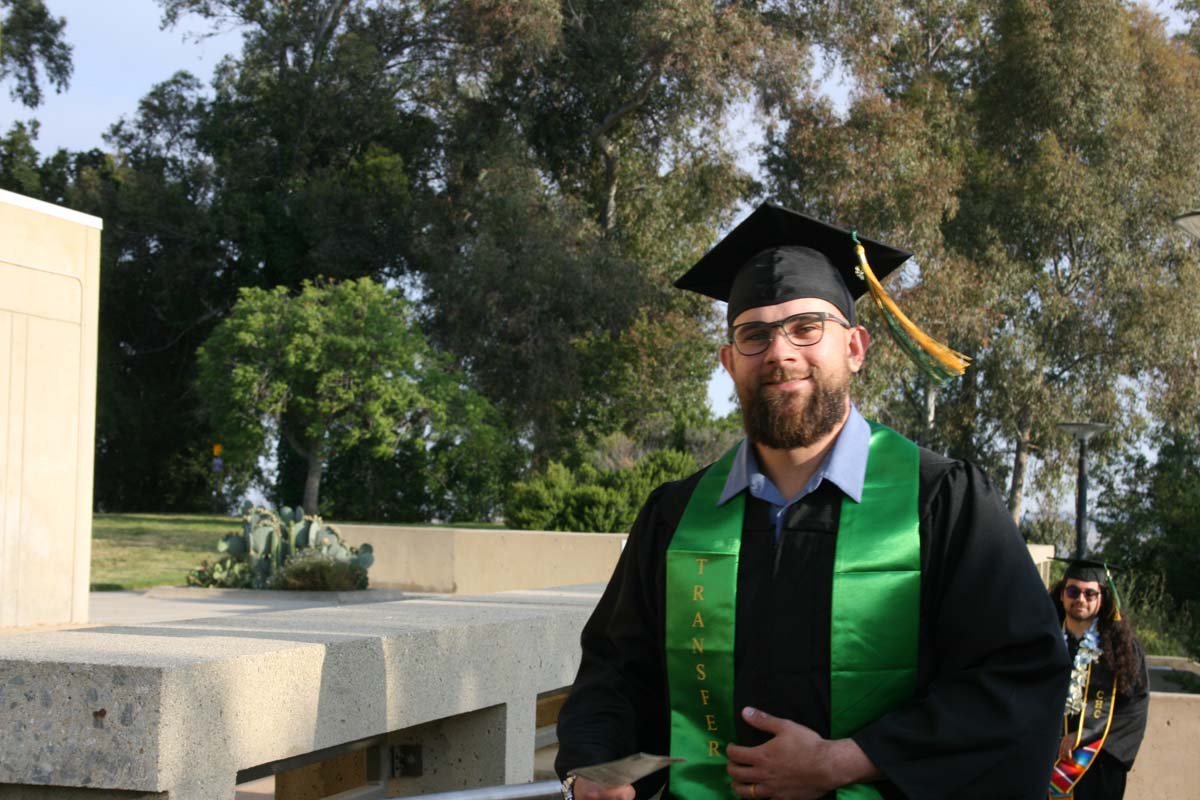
848,615
1109,698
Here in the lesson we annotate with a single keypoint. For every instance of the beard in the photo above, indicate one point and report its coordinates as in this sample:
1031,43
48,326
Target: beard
787,420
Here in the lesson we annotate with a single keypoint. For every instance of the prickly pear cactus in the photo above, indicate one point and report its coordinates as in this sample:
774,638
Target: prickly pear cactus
257,555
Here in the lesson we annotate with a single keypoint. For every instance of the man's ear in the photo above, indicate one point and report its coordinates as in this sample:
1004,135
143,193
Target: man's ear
858,344
726,356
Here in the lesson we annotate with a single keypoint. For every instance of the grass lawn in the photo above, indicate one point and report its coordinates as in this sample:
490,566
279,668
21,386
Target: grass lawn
136,551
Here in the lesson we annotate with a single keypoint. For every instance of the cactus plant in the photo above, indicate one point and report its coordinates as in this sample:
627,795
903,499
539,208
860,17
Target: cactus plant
268,540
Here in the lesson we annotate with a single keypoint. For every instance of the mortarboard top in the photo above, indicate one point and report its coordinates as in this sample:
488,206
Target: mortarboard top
776,255
1081,569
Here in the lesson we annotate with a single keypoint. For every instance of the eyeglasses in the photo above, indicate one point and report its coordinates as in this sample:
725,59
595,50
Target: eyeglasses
1073,592
801,330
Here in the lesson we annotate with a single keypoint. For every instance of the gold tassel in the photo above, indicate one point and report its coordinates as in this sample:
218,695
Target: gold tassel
938,361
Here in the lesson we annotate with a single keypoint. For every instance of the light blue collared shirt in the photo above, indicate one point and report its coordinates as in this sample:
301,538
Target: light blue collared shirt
845,466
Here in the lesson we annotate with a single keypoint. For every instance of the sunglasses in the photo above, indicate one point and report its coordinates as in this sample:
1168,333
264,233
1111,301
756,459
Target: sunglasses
1073,592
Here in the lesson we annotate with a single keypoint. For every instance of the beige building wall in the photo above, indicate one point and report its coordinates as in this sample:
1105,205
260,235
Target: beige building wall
49,295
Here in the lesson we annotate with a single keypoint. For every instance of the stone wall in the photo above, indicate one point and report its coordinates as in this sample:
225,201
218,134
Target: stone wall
474,561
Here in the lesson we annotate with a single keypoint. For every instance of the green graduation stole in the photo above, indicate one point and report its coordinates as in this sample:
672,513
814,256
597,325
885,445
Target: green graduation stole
875,613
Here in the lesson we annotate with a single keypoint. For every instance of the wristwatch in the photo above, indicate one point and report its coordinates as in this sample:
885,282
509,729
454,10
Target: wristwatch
568,788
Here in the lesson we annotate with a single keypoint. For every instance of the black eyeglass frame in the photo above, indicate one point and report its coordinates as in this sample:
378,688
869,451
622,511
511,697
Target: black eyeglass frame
821,316
1073,592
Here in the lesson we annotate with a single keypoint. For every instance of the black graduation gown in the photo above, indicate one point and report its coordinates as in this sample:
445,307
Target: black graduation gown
992,668
1130,713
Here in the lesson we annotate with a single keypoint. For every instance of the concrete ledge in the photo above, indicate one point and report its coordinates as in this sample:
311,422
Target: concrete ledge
1168,763
179,708
477,560
349,598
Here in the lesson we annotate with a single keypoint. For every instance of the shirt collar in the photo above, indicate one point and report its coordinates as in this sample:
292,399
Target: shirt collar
845,466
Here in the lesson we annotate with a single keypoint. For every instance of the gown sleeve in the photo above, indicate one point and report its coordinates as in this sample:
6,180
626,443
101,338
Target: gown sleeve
992,666
617,702
1129,718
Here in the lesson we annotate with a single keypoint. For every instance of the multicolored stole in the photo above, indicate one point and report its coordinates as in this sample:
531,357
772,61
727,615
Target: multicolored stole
875,613
1095,719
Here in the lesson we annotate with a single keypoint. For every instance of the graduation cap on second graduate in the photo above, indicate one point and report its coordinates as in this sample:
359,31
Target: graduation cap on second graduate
777,254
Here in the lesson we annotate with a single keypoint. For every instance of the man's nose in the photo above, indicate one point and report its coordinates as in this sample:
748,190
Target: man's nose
780,348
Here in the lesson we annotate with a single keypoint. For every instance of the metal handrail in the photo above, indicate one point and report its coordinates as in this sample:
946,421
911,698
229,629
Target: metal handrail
542,790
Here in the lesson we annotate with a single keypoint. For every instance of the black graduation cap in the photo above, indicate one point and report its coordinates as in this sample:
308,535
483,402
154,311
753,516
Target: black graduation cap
777,254
1082,569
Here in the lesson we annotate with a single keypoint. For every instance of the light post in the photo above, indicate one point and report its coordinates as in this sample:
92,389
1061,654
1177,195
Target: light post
1081,432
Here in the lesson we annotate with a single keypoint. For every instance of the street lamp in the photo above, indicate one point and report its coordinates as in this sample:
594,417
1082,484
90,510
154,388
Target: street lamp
1190,222
1081,432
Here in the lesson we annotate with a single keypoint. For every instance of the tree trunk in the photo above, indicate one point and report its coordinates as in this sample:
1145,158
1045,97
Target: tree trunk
1016,489
312,481
608,217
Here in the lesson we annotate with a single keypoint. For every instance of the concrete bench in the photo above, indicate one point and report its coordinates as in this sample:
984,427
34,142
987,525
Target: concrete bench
176,710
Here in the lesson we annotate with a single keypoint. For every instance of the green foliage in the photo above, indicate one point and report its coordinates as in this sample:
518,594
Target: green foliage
31,40
1048,529
269,542
1147,524
1165,627
335,366
312,570
1032,154
590,499
296,161
458,469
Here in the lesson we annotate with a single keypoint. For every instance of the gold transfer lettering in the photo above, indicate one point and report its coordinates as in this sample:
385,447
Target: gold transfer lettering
697,594
698,645
710,721
704,696
701,675
700,562
698,622
714,749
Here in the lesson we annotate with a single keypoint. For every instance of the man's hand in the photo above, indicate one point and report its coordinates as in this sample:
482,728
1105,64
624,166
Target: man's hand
796,764
586,790
1066,746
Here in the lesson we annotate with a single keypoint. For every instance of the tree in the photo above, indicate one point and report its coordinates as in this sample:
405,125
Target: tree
343,360
31,41
1089,130
585,167
1147,520
295,162
1032,153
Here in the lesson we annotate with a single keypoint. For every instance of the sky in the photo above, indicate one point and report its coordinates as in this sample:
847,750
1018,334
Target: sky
120,52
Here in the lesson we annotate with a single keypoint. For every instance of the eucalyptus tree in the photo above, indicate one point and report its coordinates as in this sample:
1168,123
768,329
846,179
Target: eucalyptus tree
1089,142
1031,153
586,163
33,50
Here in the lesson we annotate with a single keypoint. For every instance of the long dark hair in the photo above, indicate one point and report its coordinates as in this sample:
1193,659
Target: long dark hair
1118,642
